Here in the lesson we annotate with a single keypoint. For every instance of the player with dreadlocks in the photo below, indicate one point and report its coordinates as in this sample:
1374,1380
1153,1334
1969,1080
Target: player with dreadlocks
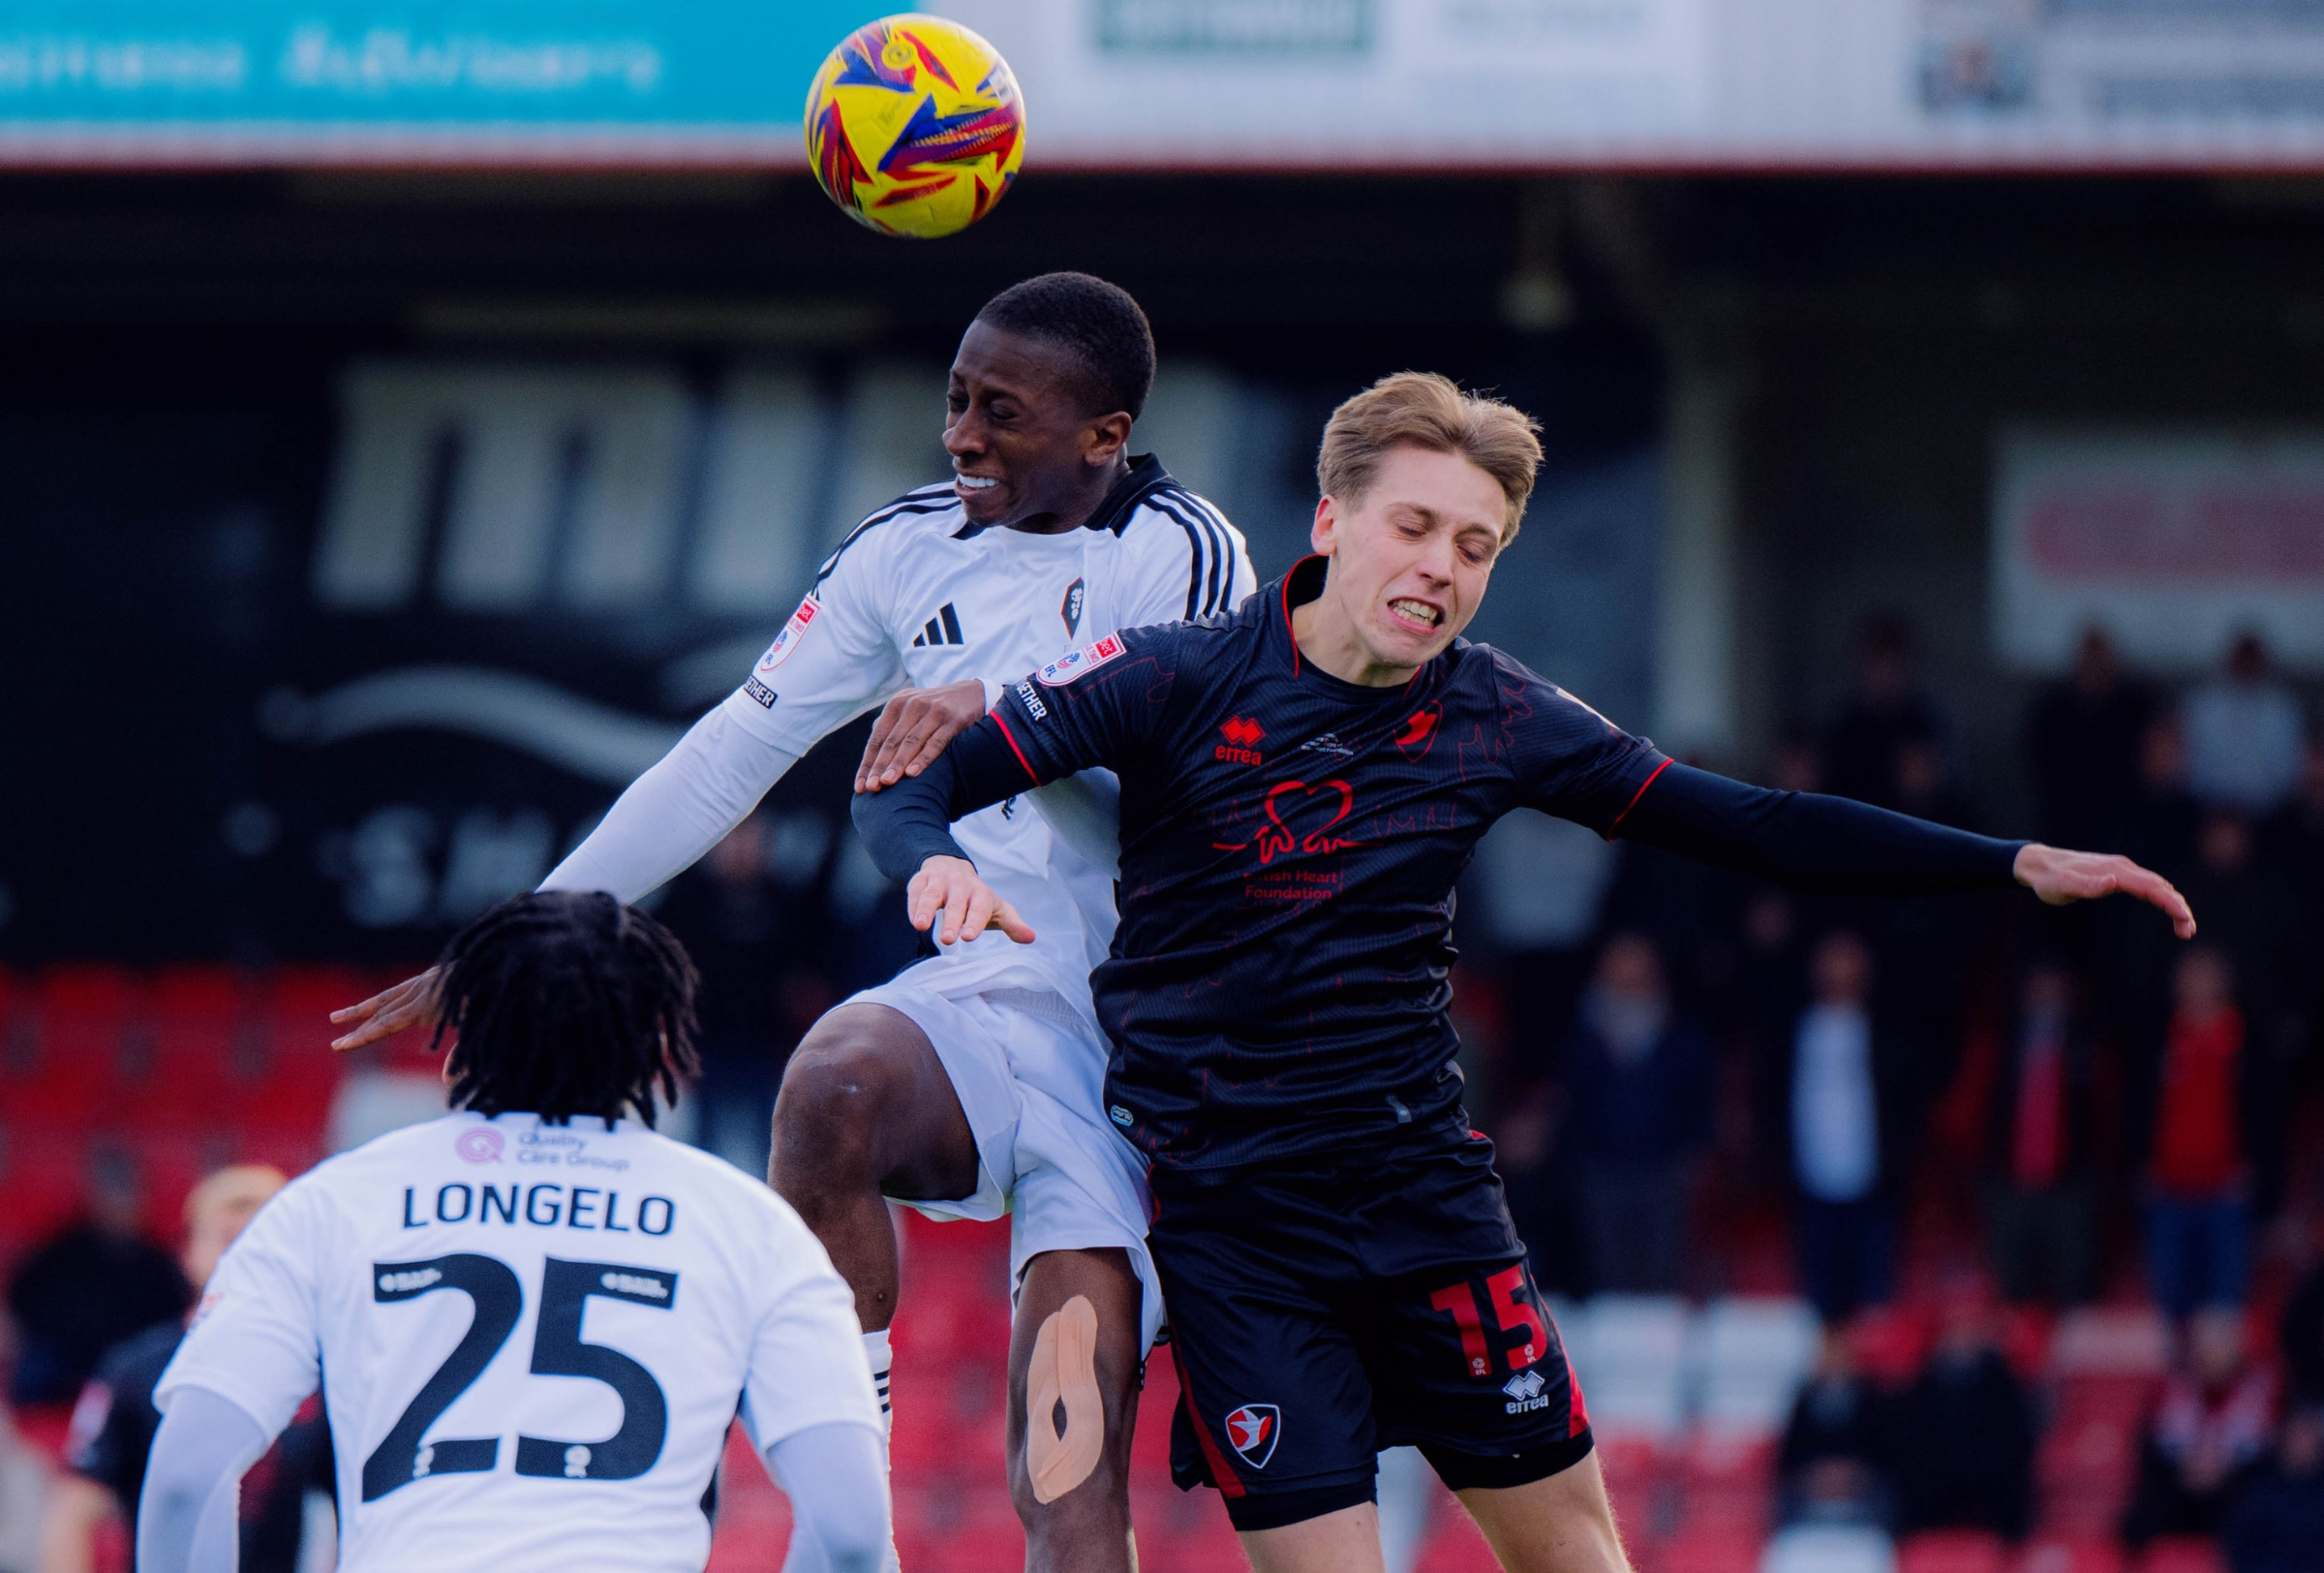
533,1319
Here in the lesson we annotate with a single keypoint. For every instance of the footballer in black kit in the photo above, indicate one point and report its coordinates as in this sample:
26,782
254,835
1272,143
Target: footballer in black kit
1336,1257
1333,1240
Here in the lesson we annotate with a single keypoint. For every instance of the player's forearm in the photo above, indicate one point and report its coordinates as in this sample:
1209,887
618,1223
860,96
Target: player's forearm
838,1491
1814,843
186,1514
69,1527
676,812
908,824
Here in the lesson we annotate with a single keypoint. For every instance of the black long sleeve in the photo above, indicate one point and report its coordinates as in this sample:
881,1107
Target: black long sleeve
1833,846
906,824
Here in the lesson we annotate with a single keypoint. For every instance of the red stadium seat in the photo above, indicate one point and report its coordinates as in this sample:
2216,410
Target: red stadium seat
1707,1551
1953,1551
61,1075
2182,1554
2094,1554
44,1180
199,1035
981,1548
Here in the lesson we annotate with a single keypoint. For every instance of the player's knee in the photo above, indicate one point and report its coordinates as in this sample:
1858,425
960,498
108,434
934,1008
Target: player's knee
835,1093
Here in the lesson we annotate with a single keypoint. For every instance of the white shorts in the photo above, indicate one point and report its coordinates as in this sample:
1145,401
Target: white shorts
1070,1180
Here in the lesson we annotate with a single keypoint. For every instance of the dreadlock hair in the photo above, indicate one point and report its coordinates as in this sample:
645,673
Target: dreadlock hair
563,1002
1097,323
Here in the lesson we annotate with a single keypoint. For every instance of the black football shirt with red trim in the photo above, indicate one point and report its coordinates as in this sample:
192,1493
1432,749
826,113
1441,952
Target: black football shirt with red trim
1278,983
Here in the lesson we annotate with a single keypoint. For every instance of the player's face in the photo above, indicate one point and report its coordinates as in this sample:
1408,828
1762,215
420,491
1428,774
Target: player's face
1411,555
1024,449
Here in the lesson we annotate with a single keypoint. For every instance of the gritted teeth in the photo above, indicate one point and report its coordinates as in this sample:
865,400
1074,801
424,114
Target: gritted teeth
1420,611
974,483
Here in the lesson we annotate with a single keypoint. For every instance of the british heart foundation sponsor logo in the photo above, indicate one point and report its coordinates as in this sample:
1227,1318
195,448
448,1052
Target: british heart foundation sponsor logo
1252,1432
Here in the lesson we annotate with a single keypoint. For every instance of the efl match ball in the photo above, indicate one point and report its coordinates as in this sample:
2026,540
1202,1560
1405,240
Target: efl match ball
915,127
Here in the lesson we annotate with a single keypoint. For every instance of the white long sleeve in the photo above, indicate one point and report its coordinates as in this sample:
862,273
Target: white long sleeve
676,812
836,1478
187,1514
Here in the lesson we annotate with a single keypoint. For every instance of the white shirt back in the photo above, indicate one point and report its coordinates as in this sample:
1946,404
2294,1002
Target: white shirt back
531,1340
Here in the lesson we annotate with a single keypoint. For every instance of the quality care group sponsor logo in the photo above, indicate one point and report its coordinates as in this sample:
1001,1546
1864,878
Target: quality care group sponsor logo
482,1145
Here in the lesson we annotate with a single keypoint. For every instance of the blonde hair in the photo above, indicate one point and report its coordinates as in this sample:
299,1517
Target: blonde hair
1420,408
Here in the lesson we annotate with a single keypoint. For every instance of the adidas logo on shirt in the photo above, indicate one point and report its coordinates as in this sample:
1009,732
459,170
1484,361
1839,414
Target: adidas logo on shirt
942,629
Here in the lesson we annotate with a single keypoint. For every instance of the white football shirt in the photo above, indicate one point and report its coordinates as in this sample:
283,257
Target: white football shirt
916,596
531,1340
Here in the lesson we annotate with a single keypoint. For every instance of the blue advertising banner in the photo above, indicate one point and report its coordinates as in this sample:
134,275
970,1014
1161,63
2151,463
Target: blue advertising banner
230,79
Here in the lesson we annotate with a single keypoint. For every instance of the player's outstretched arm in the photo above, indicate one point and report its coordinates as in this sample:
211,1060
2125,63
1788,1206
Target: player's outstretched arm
2062,878
1836,846
187,1514
413,1002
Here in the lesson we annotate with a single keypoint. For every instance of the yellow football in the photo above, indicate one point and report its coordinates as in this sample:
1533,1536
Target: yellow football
914,126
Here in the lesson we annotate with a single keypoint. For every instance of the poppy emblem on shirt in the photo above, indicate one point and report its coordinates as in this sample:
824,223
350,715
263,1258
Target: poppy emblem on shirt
1253,1430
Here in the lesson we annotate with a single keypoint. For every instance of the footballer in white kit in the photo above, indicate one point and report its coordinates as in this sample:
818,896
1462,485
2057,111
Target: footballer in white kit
533,1324
916,596
1049,536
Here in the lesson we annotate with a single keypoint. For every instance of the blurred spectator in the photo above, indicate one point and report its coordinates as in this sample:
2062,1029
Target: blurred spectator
2276,1525
741,917
2041,1186
1886,708
88,1288
1639,1085
1970,1424
2197,1231
2160,831
2207,1436
2253,915
115,1422
2082,747
2244,732
2302,1330
1837,1462
1848,1108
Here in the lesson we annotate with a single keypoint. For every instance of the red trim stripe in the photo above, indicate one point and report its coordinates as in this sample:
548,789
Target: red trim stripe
1634,799
1036,774
1222,1474
1287,629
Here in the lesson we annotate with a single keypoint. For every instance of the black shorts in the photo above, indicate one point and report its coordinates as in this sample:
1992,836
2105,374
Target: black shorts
1319,1313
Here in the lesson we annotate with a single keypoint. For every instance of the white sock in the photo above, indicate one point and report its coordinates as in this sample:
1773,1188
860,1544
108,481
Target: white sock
876,1350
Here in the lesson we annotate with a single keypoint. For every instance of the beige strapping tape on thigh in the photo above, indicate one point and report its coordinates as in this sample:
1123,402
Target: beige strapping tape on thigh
1065,1367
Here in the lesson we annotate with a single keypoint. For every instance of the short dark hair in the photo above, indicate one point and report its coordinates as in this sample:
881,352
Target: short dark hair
563,1002
1098,323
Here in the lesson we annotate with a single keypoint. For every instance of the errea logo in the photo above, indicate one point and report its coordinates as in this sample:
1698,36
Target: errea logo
1243,734
1526,1391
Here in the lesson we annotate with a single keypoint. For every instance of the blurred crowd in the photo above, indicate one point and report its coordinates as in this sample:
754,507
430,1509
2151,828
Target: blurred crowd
1982,1109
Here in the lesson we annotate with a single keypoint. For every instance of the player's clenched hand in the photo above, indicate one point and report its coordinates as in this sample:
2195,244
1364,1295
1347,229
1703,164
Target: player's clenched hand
913,730
413,1002
949,888
2060,877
